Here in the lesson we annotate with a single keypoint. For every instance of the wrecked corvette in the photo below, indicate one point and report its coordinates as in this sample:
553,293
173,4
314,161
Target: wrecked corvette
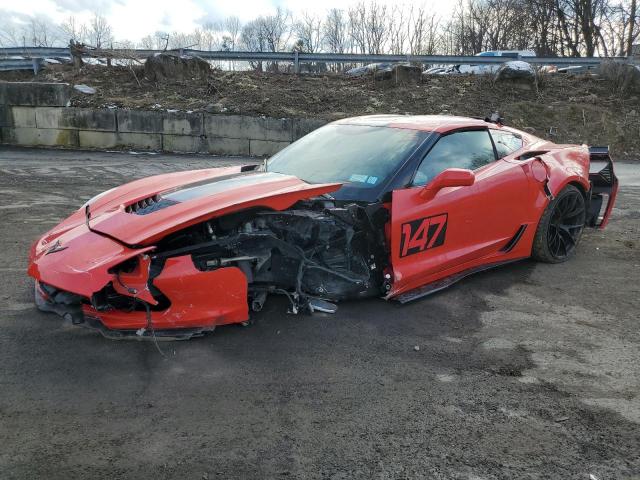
381,206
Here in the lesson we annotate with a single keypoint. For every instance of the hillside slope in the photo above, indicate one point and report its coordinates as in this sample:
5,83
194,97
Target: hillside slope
565,109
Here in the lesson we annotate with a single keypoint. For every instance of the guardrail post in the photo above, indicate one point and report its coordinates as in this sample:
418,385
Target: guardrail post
36,65
296,62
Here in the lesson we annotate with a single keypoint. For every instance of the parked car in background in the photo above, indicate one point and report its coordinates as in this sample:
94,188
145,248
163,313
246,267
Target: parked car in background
575,69
480,69
372,68
434,70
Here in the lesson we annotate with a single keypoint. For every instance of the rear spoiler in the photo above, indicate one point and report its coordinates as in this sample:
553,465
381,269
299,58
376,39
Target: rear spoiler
604,187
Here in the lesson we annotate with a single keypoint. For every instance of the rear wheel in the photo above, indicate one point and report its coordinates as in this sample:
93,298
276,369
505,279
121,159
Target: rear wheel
560,227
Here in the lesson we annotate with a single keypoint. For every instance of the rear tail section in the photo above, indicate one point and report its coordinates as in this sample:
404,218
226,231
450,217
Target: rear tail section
604,187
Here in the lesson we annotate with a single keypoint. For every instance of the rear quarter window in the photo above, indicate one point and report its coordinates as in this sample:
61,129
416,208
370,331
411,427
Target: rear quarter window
506,142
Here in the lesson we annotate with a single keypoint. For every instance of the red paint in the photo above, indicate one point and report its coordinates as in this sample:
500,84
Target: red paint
482,218
83,267
136,283
198,299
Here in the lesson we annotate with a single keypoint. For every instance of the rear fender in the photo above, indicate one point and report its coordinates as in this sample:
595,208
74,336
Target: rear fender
567,165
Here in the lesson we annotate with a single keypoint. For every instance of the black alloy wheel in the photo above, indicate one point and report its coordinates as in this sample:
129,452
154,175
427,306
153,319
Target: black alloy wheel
560,227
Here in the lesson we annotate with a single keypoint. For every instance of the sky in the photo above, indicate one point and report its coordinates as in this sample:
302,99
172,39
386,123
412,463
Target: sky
134,19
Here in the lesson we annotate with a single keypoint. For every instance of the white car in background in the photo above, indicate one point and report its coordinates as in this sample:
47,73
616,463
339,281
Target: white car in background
485,68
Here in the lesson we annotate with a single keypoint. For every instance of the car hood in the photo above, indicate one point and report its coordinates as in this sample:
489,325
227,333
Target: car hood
142,213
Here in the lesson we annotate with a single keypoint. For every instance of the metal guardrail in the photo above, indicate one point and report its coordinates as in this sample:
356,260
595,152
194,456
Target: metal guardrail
35,52
294,57
10,64
386,58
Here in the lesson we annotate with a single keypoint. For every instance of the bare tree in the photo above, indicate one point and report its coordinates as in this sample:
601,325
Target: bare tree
416,26
39,32
368,27
158,41
99,32
233,27
275,30
148,42
551,27
9,36
397,24
335,31
309,32
579,25
253,41
251,37
206,38
429,43
178,40
357,27
73,30
543,19
633,26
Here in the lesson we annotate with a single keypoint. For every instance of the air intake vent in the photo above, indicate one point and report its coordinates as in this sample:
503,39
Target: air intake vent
514,240
149,205
528,155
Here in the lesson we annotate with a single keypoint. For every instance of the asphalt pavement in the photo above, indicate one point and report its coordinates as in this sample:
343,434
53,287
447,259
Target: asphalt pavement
528,371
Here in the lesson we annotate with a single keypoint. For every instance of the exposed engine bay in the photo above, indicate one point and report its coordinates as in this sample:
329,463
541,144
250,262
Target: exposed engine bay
314,253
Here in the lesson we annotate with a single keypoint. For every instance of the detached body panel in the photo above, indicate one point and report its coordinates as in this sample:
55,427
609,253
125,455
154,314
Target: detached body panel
198,300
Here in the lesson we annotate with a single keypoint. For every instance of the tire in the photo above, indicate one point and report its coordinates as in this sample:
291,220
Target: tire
560,227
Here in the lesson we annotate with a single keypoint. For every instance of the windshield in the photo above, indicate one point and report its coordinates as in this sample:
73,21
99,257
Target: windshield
362,157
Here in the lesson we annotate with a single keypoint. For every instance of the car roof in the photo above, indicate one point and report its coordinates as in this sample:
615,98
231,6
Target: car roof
427,123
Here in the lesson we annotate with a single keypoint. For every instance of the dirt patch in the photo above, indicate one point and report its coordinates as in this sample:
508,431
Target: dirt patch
564,109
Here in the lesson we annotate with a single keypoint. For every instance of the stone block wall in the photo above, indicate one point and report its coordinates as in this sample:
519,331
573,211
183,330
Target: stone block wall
37,114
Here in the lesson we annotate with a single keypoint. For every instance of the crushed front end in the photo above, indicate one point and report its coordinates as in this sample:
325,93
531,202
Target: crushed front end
213,272
92,280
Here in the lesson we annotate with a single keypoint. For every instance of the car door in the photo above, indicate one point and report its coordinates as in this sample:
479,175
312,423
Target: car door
459,224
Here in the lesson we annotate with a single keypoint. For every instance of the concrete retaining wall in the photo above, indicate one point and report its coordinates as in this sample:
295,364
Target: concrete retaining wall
35,114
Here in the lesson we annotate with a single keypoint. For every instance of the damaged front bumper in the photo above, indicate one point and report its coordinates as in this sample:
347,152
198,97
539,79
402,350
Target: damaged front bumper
199,303
71,278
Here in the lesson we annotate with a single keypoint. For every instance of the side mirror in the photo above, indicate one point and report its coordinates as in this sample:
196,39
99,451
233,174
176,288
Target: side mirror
452,177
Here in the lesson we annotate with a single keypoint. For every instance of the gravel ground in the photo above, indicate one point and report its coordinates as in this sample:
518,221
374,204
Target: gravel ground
529,371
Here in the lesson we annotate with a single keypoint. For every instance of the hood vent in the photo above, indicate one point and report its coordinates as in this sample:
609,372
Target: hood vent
149,205
201,189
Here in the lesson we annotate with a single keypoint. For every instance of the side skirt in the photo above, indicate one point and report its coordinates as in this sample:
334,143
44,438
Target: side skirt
144,334
443,283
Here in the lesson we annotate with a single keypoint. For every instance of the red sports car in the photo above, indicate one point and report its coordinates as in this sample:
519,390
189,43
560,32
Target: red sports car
384,206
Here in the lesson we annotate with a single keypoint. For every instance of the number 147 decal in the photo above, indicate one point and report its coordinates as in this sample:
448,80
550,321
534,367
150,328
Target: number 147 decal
422,234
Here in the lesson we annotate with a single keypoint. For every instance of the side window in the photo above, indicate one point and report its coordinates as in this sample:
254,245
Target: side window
470,150
506,142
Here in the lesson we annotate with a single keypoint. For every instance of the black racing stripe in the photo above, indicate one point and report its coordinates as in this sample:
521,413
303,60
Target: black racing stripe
219,184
